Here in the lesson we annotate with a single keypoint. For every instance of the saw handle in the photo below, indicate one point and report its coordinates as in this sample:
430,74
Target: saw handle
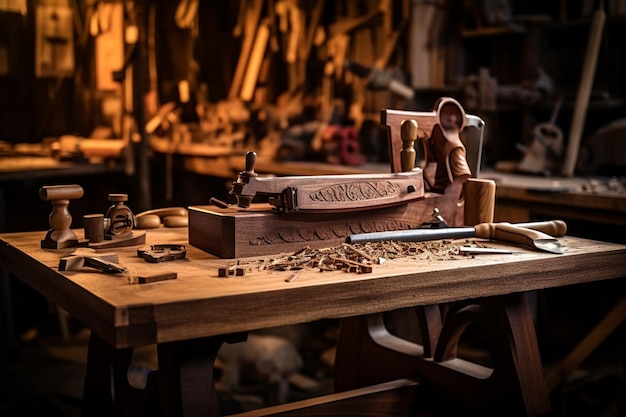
507,232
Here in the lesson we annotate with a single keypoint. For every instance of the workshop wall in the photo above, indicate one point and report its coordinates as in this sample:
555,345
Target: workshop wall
268,74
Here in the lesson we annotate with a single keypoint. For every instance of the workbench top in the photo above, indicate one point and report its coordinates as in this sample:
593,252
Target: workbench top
200,303
43,167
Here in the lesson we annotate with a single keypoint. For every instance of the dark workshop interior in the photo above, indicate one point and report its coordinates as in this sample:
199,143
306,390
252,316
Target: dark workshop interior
159,102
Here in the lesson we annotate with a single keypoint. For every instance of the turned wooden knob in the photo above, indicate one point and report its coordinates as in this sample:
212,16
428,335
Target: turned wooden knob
408,134
60,235
250,163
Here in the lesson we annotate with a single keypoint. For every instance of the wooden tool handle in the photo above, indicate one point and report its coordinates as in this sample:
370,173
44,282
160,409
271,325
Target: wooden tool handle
506,232
408,134
60,192
250,163
555,228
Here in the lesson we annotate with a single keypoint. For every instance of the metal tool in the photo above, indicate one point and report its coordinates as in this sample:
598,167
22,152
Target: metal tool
162,253
534,234
473,250
105,262
326,193
378,79
121,218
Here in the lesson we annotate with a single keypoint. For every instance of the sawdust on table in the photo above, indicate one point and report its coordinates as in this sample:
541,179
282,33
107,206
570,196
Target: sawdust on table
354,257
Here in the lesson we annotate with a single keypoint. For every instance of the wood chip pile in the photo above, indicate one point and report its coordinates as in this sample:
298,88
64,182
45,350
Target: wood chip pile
355,257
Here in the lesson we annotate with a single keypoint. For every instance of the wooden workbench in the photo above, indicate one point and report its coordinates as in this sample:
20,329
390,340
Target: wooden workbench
521,198
190,317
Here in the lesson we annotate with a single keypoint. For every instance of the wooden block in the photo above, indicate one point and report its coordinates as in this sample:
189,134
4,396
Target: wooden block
147,279
233,232
132,239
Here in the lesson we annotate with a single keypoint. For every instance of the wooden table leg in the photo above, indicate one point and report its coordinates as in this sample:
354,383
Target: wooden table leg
6,314
368,354
182,386
186,383
102,392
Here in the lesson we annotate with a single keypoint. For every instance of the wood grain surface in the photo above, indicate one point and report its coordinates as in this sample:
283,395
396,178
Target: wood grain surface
200,303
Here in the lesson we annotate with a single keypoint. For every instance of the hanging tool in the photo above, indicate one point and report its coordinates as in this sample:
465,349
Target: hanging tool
534,235
378,79
541,156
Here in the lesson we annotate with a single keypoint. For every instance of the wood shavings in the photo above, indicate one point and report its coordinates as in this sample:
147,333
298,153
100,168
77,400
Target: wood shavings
358,257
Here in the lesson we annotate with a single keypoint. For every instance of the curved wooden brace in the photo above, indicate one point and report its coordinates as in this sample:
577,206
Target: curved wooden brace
368,354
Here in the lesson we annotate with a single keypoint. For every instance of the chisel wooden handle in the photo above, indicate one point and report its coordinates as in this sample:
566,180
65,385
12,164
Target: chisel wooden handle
507,232
523,233
555,228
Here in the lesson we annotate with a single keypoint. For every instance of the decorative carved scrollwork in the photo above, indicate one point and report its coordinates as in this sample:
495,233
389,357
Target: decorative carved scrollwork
327,233
356,191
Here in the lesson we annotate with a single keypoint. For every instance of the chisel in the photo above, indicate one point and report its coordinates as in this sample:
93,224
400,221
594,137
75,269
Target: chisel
537,235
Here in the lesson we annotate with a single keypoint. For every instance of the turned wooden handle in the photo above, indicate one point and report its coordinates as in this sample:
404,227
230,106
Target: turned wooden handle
60,192
250,163
523,231
408,134
509,233
555,228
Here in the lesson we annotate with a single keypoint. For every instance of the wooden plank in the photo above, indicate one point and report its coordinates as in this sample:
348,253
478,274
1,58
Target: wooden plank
252,17
395,398
584,92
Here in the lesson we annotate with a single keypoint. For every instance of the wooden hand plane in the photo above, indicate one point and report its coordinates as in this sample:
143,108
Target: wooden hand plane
327,193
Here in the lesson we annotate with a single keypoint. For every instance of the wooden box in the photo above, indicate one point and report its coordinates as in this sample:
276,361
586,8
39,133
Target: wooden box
261,230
